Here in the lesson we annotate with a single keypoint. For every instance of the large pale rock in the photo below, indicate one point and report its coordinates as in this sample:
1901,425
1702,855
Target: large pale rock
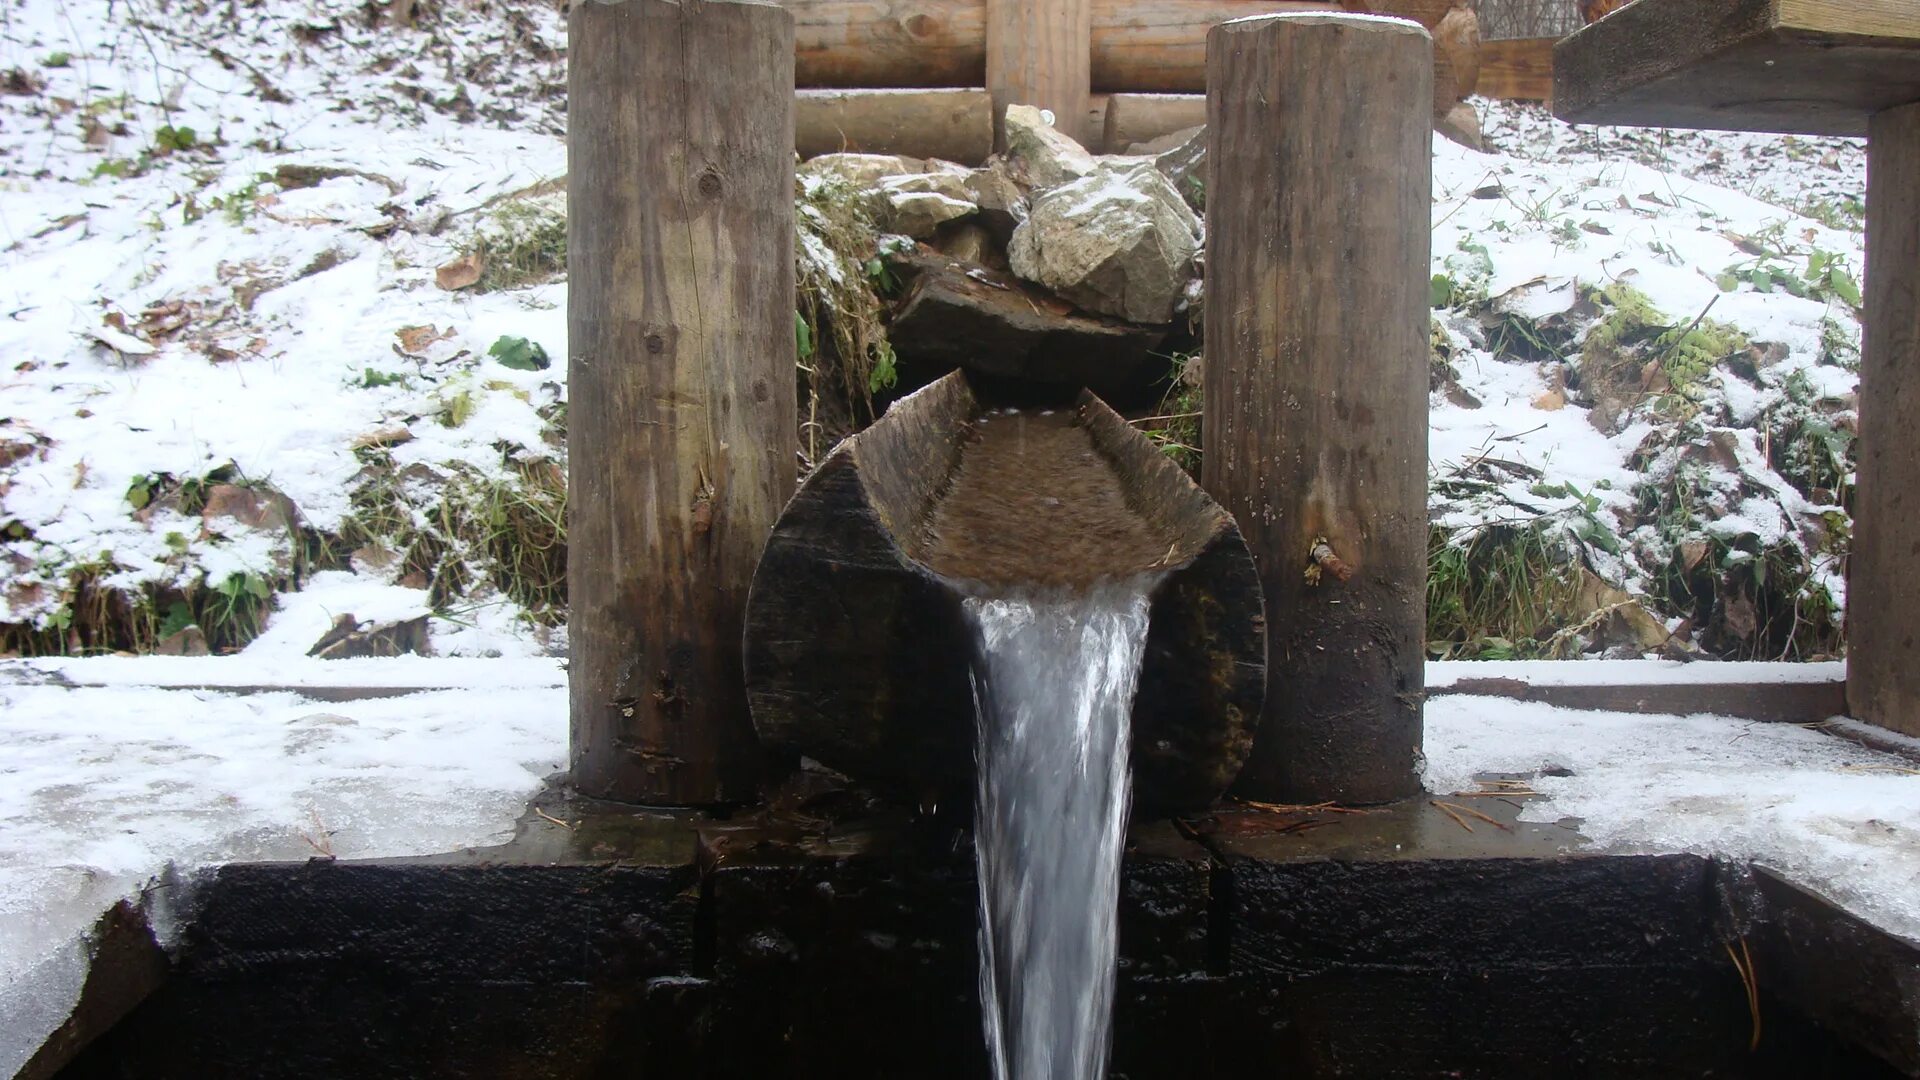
1119,241
1002,201
1039,156
862,170
1185,166
918,204
1462,125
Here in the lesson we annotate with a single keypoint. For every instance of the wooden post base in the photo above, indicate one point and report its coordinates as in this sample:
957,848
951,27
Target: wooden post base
1318,232
1883,573
681,384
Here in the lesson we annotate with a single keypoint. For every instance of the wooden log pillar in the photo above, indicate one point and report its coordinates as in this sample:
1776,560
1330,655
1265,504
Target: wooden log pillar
1316,383
1039,53
681,371
1883,572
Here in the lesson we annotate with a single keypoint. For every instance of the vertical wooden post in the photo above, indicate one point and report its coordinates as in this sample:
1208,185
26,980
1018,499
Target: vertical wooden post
681,370
1883,572
1040,53
1316,382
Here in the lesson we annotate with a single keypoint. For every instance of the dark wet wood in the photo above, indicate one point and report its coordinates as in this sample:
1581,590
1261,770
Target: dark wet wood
680,321
961,315
1791,703
954,125
1815,67
1316,385
857,652
1883,572
1033,503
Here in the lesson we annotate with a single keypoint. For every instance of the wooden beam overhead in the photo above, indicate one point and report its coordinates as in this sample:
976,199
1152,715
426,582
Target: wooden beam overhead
1813,67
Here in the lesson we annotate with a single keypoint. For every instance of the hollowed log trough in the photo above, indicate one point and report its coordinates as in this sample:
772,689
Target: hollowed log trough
857,646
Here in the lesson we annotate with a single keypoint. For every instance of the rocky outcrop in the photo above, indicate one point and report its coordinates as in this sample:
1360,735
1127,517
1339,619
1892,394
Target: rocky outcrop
1039,156
1118,241
916,205
960,315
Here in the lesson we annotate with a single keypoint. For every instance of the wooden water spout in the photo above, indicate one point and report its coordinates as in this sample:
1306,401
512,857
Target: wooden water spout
857,652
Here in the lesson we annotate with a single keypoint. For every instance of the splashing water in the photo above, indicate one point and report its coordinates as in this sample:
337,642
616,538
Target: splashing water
1053,686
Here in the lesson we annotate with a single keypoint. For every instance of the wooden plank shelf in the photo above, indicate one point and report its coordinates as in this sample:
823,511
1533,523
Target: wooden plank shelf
1811,67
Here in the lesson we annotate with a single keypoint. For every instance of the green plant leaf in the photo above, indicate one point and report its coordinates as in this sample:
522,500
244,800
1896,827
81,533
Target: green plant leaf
178,618
520,354
1727,282
1843,285
802,336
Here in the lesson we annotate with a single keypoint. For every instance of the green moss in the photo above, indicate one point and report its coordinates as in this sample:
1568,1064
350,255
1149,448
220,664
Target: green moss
1499,591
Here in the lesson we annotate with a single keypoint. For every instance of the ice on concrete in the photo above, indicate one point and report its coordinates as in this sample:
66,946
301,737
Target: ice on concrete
104,788
1827,813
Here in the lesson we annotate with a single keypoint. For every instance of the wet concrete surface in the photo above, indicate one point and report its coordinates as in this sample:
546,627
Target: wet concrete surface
1412,940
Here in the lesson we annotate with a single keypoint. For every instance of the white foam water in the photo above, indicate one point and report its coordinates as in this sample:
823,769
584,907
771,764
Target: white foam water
1053,680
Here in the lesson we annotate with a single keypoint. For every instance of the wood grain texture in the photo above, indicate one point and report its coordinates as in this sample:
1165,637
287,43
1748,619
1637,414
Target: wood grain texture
954,125
681,371
1037,54
1132,46
1316,338
1855,18
1160,46
1517,69
1139,118
1812,67
857,653
1883,573
846,44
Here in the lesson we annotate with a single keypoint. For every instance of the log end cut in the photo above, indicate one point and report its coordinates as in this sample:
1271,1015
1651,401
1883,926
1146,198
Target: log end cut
857,646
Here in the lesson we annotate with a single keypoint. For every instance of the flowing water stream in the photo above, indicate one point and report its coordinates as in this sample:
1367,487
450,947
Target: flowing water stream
1053,682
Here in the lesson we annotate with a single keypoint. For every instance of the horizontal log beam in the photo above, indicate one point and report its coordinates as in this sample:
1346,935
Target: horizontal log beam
1136,46
951,124
1145,45
1132,119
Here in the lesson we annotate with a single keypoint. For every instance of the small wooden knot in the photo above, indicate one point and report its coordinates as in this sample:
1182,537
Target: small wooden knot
919,25
656,344
710,183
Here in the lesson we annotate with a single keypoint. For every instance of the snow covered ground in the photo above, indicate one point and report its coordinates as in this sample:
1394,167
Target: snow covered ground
106,789
220,240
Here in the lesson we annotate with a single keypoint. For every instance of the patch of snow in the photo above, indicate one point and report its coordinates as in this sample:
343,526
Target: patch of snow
104,788
1826,812
1442,673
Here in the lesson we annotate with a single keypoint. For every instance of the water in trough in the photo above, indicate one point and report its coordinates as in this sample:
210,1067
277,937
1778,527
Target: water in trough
1053,685
1058,568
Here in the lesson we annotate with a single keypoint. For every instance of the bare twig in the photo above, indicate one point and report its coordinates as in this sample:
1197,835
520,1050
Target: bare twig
1445,809
1743,963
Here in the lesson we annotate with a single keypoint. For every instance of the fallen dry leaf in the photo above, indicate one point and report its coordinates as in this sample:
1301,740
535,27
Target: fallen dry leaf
1551,401
416,340
461,273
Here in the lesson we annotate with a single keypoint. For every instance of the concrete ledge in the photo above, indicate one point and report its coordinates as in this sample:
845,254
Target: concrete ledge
1253,941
